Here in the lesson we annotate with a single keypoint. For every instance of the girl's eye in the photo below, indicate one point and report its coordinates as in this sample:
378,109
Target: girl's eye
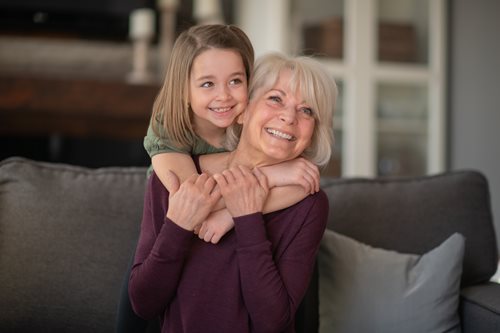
207,84
235,82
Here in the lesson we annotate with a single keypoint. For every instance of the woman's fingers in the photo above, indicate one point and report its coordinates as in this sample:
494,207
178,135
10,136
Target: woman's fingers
244,192
220,180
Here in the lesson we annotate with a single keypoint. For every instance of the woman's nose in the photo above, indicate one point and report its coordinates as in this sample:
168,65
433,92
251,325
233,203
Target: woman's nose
287,115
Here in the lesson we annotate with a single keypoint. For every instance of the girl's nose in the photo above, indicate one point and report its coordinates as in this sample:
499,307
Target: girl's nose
223,92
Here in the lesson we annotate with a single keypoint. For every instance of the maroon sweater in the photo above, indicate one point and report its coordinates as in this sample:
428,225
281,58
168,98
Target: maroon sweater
251,281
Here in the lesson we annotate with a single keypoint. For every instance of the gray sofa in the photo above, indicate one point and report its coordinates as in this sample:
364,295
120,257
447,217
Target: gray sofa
67,234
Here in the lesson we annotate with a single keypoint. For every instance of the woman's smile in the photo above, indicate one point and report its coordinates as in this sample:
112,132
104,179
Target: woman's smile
279,134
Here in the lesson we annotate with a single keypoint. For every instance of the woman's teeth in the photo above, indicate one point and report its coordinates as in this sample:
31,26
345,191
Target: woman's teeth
280,134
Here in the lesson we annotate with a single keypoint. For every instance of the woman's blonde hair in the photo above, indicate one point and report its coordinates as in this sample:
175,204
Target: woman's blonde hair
171,117
316,87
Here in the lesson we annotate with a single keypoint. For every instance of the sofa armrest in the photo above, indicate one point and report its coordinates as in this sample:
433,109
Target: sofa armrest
480,308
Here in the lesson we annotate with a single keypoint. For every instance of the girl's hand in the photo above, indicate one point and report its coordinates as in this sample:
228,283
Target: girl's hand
191,202
215,226
244,191
299,171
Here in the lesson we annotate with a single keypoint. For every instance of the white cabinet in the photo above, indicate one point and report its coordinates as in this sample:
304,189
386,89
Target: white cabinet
388,57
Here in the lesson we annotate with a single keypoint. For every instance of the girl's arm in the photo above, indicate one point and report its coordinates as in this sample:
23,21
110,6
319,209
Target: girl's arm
180,164
283,194
299,171
165,157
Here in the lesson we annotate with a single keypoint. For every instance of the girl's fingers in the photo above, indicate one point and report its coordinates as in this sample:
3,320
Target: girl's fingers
215,239
202,229
313,177
261,178
208,236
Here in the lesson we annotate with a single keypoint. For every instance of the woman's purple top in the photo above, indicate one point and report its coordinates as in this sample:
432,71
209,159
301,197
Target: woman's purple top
253,280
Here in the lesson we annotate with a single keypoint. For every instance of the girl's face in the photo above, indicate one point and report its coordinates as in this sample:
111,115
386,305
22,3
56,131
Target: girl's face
277,123
218,90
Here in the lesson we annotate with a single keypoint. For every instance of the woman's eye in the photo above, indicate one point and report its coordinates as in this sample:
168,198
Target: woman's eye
275,99
307,111
207,84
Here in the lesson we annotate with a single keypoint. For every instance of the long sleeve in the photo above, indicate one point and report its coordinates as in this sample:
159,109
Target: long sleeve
160,255
274,284
251,281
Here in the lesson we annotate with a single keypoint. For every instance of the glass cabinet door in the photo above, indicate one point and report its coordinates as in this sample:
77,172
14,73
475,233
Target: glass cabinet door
388,59
403,79
401,129
320,25
403,31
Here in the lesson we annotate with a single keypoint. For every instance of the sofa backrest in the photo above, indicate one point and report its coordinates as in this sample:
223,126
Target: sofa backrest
411,215
415,215
66,236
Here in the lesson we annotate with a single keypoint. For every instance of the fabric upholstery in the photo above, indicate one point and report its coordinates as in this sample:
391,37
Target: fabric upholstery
414,215
480,308
66,235
392,292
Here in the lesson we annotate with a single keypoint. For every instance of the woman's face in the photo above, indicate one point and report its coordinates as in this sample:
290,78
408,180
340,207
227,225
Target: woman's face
278,122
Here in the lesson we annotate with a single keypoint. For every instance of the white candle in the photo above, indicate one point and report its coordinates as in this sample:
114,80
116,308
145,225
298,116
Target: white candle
206,9
142,23
168,3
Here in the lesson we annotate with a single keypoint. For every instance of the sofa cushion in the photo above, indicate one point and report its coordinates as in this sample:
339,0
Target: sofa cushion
366,289
480,308
66,236
414,215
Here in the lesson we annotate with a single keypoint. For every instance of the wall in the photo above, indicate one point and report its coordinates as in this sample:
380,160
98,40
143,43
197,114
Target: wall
474,90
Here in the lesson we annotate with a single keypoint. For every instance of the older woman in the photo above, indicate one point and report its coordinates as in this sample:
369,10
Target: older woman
254,279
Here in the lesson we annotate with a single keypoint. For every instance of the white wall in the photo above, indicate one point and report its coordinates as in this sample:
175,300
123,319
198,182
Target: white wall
474,89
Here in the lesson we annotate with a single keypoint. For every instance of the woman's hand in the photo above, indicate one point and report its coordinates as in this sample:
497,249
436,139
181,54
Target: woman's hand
244,191
191,202
299,171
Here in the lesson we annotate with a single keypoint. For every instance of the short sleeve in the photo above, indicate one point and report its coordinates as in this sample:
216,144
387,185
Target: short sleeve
156,145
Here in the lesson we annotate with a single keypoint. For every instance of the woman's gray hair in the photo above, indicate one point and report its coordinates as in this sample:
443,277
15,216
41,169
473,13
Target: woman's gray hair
317,88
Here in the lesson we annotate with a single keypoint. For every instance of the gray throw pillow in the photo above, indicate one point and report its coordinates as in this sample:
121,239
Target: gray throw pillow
367,289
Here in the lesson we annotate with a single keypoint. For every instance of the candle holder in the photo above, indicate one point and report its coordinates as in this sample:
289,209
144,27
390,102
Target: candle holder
168,11
141,32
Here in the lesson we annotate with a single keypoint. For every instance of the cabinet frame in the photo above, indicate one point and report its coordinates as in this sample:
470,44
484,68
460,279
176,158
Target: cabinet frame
360,72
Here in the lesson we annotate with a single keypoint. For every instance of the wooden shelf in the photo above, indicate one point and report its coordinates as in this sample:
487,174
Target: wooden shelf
81,108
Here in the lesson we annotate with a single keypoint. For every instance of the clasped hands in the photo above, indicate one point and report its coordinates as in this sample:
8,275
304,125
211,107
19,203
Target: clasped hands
244,192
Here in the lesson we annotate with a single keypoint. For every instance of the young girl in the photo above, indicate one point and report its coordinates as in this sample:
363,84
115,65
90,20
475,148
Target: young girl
205,89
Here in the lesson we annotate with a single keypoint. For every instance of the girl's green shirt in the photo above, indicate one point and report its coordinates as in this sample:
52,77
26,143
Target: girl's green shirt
158,145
